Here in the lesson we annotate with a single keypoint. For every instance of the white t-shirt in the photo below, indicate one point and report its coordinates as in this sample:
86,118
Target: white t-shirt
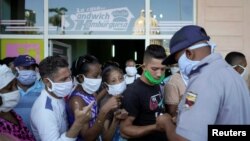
48,119
130,79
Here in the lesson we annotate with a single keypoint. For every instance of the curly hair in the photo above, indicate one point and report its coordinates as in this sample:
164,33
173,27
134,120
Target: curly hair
81,64
50,65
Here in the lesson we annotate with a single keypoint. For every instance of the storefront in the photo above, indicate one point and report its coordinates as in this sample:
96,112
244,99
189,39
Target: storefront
116,29
108,29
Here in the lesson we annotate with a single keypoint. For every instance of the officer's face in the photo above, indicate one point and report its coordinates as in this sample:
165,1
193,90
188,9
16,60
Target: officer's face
178,55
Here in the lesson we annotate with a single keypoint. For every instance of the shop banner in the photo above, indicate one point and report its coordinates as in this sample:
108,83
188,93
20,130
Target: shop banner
15,47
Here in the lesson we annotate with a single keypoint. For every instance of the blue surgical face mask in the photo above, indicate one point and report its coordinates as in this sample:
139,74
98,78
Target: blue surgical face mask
26,77
186,65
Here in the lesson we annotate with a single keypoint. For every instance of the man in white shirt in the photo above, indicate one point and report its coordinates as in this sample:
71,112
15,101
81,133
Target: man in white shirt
131,72
48,114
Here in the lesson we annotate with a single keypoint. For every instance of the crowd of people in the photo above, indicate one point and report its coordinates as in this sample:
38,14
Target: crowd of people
90,101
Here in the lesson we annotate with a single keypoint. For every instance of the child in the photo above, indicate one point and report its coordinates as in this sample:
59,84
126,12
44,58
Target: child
112,77
87,70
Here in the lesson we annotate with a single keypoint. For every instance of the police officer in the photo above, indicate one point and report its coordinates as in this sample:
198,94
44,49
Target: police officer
215,92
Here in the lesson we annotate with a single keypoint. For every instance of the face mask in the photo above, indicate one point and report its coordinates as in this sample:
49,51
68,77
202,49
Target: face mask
151,79
26,77
174,70
212,45
117,89
9,100
131,71
62,89
186,65
91,85
245,73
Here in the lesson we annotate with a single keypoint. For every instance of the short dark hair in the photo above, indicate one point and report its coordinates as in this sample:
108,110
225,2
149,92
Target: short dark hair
231,57
154,51
50,65
129,60
108,67
81,64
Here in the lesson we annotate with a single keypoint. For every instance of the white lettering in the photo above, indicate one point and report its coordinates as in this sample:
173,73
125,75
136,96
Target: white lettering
80,10
215,131
243,133
99,19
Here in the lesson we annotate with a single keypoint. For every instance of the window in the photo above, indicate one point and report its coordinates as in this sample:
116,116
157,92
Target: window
93,17
149,21
21,17
167,16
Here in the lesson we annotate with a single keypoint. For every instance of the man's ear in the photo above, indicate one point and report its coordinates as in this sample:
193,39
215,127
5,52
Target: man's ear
190,54
47,82
143,66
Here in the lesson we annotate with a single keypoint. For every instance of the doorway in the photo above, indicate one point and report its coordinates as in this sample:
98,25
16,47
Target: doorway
115,50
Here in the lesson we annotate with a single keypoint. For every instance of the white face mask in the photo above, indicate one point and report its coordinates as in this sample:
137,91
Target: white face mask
131,71
174,70
9,100
62,89
91,85
245,73
117,89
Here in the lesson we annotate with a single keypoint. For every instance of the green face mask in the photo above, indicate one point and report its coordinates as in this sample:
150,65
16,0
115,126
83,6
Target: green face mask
151,79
